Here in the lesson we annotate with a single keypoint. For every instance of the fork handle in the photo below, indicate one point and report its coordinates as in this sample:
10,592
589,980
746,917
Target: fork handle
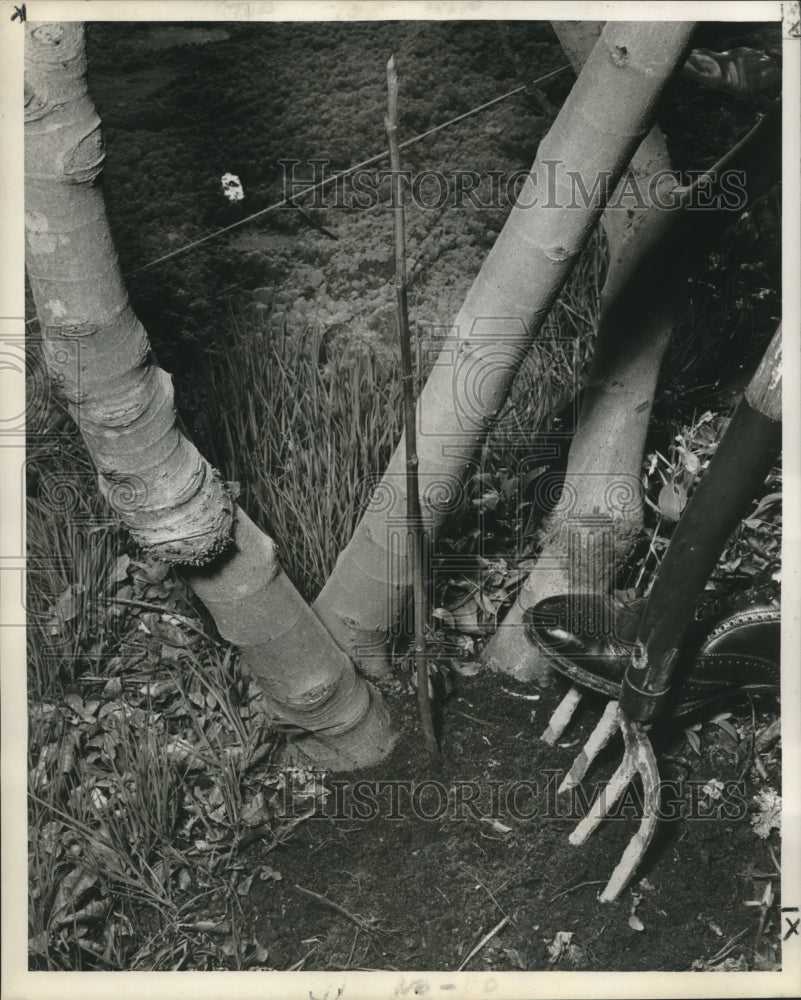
744,457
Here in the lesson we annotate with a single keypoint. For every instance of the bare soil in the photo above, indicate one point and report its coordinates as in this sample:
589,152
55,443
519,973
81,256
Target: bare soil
420,891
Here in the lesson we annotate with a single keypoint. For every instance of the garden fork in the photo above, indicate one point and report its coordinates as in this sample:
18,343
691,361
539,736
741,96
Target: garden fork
632,657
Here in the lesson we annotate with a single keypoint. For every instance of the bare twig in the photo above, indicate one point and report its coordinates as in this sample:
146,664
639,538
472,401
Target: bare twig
489,891
302,961
767,902
709,176
752,756
727,948
418,541
361,923
487,937
472,718
353,947
517,694
149,606
774,859
578,885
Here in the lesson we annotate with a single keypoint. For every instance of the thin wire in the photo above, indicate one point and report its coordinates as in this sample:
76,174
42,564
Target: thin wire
334,177
345,173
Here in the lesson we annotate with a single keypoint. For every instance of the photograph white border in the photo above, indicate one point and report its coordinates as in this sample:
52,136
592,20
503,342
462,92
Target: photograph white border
20,984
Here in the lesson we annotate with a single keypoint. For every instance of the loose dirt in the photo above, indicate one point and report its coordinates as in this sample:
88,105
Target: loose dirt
484,840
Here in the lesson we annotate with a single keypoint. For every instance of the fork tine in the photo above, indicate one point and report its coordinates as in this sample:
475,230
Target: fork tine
597,740
638,758
639,746
562,715
599,809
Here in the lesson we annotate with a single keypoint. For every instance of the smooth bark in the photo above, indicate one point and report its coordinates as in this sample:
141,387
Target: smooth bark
651,251
605,118
172,501
597,521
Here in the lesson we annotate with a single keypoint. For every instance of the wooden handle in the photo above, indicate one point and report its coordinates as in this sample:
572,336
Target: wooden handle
745,455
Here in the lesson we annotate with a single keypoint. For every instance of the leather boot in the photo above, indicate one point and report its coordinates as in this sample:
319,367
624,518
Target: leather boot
590,638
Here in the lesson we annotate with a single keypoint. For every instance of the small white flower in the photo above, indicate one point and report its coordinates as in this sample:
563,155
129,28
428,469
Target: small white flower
713,789
232,187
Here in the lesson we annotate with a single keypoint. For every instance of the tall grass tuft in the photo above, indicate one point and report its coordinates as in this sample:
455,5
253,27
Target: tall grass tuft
307,433
306,437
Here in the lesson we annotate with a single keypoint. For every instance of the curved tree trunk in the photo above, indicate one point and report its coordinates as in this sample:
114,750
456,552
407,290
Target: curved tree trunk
599,517
174,504
605,118
651,251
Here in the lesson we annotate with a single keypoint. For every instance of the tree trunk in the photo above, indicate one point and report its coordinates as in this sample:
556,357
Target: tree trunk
174,504
605,118
600,513
308,680
599,517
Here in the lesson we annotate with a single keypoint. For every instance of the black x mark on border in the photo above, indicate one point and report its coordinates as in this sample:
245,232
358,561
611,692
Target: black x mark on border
792,925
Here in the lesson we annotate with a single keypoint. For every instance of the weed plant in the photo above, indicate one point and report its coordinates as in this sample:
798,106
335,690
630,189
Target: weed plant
150,759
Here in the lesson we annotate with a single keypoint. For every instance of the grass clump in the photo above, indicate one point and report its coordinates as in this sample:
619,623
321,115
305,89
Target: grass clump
306,435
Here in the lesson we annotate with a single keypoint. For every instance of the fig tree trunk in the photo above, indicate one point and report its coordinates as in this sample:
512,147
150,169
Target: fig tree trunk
174,504
651,251
598,518
605,118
